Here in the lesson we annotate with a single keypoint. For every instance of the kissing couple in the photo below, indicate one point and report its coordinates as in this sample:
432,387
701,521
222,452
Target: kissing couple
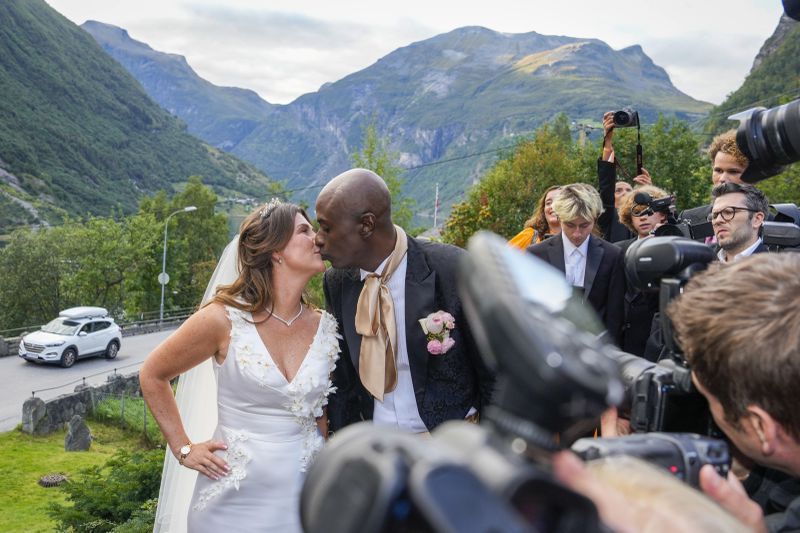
266,378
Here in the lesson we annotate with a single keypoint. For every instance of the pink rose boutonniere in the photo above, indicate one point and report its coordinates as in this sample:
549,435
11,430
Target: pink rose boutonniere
437,327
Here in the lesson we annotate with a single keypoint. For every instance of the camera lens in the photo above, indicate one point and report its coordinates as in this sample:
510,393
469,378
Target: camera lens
622,118
770,138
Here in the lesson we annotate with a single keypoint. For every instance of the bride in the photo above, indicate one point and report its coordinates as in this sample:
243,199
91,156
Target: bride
272,357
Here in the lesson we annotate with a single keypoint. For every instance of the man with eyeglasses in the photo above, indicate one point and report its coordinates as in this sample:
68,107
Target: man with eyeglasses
737,214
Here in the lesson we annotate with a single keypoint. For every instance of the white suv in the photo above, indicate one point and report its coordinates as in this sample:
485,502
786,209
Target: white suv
77,332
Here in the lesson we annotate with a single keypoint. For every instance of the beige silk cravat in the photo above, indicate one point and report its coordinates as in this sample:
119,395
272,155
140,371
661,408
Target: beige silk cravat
376,324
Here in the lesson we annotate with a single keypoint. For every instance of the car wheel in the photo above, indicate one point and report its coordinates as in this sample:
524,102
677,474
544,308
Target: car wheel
112,350
68,357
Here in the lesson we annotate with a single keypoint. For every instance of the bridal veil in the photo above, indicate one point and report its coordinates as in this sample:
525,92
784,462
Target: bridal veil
196,396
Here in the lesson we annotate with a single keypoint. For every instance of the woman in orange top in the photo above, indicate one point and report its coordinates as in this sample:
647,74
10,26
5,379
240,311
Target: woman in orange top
542,224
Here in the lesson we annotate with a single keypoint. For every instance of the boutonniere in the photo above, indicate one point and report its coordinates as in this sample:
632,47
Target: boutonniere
437,327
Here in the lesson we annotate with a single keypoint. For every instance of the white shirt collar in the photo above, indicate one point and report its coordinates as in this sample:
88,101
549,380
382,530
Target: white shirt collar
747,252
569,247
378,271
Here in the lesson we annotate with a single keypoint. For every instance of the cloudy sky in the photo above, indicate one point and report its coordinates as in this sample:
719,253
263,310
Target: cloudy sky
285,48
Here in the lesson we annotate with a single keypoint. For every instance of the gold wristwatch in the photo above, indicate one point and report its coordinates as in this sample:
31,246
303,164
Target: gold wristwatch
185,450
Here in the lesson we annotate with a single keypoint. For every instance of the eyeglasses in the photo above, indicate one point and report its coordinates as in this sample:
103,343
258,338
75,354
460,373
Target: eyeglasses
728,213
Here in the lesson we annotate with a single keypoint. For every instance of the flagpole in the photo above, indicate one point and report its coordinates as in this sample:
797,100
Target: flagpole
436,206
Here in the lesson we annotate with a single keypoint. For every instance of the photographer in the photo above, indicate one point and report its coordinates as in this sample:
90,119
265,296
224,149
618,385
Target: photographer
611,190
737,215
640,307
738,326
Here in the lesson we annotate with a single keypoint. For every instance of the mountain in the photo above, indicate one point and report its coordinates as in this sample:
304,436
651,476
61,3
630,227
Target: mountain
439,102
78,134
773,79
222,116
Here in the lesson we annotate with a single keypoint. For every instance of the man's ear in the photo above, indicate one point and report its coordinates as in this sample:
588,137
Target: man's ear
764,426
367,224
758,219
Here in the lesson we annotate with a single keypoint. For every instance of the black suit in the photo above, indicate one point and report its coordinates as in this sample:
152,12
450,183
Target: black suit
445,386
603,282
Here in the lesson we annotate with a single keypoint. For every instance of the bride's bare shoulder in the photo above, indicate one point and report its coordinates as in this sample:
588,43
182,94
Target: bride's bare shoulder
213,315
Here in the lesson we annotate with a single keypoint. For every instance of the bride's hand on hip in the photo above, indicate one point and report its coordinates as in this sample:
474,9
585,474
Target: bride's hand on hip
203,459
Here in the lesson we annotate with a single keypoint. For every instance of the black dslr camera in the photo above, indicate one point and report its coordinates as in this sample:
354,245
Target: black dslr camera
626,118
555,376
629,118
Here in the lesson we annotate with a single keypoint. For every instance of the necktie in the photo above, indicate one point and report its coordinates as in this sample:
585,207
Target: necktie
376,324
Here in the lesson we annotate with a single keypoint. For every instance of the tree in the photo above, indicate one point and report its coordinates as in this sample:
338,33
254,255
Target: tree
507,194
30,287
672,155
195,241
375,157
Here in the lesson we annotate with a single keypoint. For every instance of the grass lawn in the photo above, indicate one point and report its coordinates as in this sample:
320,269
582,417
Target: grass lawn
25,458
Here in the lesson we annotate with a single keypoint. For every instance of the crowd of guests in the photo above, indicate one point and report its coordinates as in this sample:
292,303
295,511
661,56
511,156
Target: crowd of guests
585,232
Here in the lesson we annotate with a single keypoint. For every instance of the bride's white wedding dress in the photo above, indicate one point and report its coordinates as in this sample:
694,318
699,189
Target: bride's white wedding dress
269,426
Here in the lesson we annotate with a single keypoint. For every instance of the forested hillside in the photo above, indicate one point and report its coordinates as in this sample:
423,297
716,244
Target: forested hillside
79,135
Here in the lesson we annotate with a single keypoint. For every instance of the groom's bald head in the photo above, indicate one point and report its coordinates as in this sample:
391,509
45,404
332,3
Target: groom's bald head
354,211
358,191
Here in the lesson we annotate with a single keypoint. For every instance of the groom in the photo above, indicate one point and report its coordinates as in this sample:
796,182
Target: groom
381,284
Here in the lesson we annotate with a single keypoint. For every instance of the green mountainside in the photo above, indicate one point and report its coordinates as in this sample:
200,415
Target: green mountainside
773,80
437,101
79,135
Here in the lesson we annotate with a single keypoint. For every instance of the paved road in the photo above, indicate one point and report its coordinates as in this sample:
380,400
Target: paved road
21,378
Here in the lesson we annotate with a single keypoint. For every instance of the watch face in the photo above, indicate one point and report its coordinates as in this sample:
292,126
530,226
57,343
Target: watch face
185,449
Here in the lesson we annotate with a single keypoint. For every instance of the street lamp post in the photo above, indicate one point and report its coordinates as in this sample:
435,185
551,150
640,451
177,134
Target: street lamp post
163,278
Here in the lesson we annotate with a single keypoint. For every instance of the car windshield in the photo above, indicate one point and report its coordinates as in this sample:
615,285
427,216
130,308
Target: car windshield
61,326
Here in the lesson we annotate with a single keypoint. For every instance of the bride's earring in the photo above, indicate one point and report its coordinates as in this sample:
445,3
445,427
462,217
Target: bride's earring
280,261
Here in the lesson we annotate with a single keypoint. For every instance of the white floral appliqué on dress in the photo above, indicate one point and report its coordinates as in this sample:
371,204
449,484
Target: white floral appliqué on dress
269,426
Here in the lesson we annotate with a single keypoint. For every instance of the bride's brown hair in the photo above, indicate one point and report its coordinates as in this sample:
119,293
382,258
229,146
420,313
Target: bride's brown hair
265,231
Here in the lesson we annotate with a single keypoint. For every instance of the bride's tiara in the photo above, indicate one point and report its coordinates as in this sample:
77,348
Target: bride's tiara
269,207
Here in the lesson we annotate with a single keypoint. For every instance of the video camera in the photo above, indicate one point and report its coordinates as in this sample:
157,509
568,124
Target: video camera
662,396
674,227
555,376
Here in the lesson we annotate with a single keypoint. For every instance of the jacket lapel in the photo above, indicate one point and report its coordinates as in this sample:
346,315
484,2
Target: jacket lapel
420,302
555,252
351,290
593,260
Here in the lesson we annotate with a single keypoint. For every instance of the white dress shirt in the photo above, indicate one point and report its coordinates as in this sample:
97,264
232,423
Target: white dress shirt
722,254
399,407
575,260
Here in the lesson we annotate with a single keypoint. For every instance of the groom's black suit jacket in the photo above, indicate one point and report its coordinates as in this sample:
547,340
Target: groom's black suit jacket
604,280
445,386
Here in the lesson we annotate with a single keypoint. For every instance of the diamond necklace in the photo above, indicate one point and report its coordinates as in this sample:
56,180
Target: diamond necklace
291,320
